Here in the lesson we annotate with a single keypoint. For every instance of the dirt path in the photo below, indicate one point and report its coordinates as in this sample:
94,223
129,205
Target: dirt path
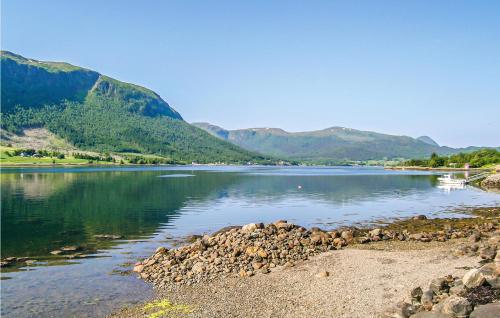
362,283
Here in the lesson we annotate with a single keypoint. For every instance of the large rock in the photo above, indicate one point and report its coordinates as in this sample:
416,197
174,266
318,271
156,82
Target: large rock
486,311
491,274
457,288
487,253
473,278
347,235
250,227
456,306
284,225
492,181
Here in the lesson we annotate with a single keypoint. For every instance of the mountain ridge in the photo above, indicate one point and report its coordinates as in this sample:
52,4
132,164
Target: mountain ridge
59,81
332,143
428,140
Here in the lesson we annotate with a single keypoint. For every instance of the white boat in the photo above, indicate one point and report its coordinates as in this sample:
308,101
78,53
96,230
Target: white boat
447,179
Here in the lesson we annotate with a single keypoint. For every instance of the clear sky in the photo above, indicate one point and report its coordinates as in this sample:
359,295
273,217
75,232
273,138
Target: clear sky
400,67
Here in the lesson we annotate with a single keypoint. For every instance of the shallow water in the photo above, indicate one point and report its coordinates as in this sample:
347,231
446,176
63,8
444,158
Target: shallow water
44,209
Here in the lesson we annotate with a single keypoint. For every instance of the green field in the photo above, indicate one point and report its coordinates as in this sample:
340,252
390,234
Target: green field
6,159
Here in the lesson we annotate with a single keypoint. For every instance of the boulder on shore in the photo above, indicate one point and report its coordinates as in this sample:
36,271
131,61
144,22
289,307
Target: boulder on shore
492,181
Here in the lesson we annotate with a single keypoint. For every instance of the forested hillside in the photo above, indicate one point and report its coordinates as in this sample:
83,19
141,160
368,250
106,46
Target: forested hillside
98,113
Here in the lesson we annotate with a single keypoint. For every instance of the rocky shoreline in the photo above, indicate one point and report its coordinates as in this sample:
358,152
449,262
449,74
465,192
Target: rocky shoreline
344,273
491,181
476,294
258,249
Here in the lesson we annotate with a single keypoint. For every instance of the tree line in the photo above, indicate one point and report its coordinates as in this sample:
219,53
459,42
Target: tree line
475,159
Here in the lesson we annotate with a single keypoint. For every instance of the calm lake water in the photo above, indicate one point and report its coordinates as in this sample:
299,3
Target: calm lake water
44,209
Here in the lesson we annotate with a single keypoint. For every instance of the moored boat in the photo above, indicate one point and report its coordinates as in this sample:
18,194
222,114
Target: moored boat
447,179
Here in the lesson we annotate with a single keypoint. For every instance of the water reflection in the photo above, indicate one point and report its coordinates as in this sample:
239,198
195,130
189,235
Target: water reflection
43,211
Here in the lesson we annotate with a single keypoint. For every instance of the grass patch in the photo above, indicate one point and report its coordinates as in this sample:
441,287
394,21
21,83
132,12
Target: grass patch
164,308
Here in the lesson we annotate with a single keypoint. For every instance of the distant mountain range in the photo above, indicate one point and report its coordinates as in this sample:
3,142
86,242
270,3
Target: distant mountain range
98,113
330,144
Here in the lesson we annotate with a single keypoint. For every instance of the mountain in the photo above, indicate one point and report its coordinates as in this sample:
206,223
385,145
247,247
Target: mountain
328,145
428,140
32,83
95,112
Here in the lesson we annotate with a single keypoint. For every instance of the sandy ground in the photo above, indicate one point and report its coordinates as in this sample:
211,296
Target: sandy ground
363,281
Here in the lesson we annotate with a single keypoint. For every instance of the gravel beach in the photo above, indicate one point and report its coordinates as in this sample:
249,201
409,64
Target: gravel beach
359,281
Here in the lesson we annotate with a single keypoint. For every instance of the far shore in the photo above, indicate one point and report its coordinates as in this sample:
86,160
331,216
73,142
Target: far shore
51,165
117,164
435,169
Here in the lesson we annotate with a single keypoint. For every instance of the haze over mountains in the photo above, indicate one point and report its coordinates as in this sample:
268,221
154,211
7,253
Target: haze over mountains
330,144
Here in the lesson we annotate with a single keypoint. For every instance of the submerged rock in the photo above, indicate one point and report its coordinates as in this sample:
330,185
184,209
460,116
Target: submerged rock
107,236
70,248
420,217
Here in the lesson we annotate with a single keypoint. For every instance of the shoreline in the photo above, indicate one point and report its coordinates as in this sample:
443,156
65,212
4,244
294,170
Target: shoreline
418,168
51,165
422,253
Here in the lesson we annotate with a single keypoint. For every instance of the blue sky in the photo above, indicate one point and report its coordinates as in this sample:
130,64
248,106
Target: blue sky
399,67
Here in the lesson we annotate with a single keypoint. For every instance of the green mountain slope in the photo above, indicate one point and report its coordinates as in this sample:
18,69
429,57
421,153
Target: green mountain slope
331,144
32,83
98,113
428,140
